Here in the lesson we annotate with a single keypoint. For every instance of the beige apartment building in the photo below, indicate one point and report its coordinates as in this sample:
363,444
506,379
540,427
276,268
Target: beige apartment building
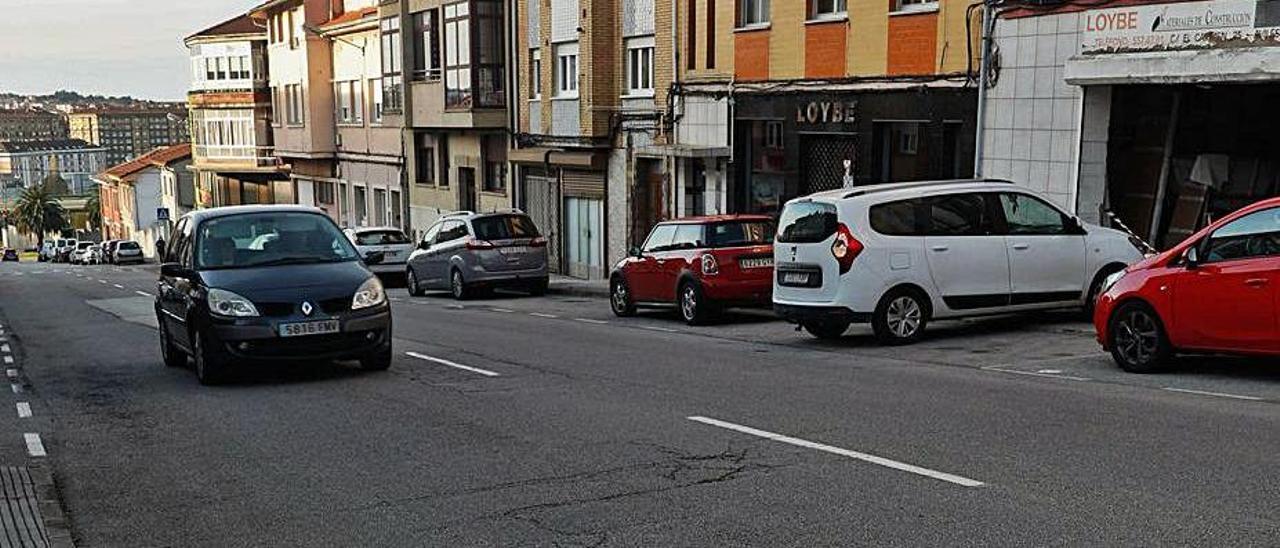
31,125
127,133
594,77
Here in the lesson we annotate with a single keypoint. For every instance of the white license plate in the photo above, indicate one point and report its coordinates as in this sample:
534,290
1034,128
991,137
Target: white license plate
514,250
309,328
762,262
795,277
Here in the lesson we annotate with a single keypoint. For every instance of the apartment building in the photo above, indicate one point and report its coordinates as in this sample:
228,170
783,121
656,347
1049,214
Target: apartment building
24,164
31,125
593,79
444,70
779,99
229,106
130,132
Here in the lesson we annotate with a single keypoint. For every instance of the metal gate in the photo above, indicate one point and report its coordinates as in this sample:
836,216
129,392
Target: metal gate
541,201
822,161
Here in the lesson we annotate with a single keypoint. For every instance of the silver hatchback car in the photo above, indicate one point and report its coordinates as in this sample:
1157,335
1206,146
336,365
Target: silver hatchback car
467,252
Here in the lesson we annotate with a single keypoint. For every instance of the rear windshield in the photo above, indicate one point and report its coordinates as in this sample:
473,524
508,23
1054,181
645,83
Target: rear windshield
740,233
381,237
806,222
83,245
127,245
270,238
504,227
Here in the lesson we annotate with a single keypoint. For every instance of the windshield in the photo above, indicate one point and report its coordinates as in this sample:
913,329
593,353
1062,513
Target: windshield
504,227
740,233
83,245
270,238
127,245
807,222
381,237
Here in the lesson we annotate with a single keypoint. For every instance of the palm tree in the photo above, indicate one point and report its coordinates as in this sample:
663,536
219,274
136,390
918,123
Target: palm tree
37,211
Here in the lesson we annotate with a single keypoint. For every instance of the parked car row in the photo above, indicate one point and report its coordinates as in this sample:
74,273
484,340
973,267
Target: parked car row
73,251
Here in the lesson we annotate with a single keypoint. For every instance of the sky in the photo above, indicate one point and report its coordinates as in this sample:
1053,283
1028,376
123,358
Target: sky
105,47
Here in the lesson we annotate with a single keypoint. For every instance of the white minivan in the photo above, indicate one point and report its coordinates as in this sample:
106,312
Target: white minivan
899,255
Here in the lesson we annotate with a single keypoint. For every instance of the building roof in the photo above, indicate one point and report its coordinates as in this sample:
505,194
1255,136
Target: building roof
240,24
45,145
158,157
350,17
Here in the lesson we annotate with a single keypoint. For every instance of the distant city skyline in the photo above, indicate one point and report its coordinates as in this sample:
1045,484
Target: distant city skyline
105,47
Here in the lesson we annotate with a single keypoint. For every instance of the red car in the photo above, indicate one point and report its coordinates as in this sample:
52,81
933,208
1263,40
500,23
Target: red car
1215,292
698,264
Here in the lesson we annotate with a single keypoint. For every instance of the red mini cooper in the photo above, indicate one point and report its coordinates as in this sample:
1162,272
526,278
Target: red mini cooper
698,264
1215,292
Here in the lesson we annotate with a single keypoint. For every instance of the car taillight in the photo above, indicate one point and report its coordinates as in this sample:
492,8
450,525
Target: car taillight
709,265
479,244
538,242
846,248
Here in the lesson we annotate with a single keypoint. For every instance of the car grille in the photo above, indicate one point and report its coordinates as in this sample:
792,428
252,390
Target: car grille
310,346
275,310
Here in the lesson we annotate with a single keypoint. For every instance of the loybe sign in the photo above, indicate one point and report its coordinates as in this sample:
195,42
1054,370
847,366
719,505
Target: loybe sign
826,112
1184,25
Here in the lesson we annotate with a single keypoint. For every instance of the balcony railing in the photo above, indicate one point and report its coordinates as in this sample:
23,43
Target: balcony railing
258,156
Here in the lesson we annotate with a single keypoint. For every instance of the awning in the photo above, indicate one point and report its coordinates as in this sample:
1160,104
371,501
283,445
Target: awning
558,157
683,151
1202,66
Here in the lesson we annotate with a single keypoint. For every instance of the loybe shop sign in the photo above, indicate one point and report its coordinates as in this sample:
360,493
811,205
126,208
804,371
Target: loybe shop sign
826,112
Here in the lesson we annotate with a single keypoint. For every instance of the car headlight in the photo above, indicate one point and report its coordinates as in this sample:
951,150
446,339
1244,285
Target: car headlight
1111,280
226,303
369,294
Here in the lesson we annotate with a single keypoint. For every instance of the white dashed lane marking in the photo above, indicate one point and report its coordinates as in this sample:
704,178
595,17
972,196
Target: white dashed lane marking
452,364
24,410
11,373
17,388
117,286
35,447
8,360
1214,394
589,320
143,293
543,315
660,329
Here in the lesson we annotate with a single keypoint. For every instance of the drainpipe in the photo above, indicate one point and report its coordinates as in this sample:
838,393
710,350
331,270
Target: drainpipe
983,70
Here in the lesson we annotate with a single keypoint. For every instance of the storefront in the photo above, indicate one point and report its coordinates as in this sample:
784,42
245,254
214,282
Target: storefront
793,144
1158,117
563,191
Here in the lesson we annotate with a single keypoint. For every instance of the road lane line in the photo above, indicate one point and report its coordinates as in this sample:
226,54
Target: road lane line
17,388
35,447
542,315
143,293
1216,394
24,410
502,310
103,282
881,461
8,360
117,286
5,348
11,373
456,365
998,369
661,329
589,320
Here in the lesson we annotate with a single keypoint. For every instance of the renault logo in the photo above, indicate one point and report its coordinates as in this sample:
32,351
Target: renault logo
306,308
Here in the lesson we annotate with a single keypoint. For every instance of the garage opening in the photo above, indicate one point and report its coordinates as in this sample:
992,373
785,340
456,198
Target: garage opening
1180,156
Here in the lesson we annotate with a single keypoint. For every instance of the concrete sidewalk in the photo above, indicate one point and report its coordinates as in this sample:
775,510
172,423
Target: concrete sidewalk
564,285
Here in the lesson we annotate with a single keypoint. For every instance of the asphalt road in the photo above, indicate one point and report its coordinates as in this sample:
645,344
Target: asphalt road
548,422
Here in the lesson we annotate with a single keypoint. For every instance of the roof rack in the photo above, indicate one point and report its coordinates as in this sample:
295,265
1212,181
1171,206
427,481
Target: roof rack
458,214
919,184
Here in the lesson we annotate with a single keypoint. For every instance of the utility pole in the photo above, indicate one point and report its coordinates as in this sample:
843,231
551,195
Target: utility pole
984,70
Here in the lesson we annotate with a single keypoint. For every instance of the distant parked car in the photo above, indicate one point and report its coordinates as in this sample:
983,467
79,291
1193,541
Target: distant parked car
902,254
391,241
66,247
127,252
10,255
81,253
108,250
1213,293
46,251
700,265
467,252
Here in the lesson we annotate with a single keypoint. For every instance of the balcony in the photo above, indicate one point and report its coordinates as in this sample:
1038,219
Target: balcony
241,158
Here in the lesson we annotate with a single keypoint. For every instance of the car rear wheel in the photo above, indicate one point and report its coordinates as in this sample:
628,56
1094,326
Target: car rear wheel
620,298
458,286
170,353
693,305
411,283
826,329
211,362
900,317
1138,341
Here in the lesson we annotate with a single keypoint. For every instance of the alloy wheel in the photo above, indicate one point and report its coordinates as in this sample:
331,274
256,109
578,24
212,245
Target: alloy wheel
904,315
456,285
1137,337
620,297
411,282
689,302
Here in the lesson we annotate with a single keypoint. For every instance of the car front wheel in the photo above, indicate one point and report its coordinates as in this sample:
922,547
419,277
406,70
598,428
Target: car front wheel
1138,341
211,362
620,298
411,283
170,353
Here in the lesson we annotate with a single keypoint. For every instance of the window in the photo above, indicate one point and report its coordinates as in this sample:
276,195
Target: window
504,227
711,34
807,223
896,218
740,233
452,231
490,63
773,136
691,36
375,100
958,215
220,71
426,160
917,5
379,206
395,208
293,104
457,56
535,73
1029,215
908,139
753,12
348,101
360,203
640,66
324,193
277,115
392,79
426,54
258,238
495,165
660,238
567,70
827,9
1254,235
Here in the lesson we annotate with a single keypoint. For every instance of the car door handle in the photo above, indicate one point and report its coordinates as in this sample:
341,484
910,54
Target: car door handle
661,261
1255,282
1020,247
939,248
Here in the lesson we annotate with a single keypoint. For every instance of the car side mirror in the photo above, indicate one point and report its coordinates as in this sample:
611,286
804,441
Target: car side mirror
1191,258
173,270
637,252
374,257
1075,227
424,245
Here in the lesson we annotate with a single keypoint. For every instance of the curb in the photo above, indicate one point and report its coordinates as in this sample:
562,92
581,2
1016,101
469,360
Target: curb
578,291
56,524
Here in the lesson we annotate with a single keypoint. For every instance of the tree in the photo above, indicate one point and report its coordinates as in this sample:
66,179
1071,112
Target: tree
38,212
94,205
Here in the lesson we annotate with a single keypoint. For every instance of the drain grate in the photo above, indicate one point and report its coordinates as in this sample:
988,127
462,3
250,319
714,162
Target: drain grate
20,518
